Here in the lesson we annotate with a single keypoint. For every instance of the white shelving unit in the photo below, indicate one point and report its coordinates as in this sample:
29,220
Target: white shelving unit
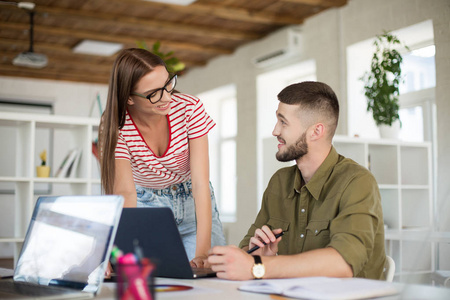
403,171
66,133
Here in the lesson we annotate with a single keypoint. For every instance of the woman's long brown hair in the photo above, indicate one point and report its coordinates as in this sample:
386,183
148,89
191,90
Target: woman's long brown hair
129,67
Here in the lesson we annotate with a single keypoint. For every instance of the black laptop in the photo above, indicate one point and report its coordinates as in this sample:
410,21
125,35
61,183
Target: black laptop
66,248
155,231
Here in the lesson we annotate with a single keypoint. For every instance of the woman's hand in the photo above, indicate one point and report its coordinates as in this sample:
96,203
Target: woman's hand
108,271
200,262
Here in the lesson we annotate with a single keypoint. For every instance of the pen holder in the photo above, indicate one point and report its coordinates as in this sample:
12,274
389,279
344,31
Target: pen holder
135,281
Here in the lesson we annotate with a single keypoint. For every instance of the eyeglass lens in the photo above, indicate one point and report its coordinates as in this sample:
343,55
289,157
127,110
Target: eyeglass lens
169,87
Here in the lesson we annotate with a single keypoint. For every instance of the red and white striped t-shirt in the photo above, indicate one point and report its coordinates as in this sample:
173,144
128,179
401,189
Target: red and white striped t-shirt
187,120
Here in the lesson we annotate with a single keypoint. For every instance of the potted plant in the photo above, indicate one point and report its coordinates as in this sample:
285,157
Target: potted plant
172,62
381,84
43,170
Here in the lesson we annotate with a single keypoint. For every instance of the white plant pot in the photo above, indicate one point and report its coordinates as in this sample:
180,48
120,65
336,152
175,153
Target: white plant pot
390,132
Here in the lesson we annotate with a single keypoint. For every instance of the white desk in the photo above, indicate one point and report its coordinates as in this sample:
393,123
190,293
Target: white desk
217,289
203,289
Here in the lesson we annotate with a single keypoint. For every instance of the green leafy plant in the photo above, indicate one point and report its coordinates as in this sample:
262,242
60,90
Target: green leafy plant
381,84
173,63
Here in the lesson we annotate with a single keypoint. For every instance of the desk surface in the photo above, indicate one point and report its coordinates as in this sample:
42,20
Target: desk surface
217,289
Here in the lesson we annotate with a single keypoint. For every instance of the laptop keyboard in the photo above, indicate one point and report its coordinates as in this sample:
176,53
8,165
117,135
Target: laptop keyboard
28,289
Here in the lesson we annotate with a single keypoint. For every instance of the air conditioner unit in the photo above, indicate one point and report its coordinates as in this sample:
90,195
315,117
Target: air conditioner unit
279,48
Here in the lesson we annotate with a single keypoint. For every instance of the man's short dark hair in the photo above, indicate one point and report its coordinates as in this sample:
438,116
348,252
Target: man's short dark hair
316,98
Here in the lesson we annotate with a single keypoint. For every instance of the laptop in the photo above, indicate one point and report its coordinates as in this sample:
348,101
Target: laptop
66,248
155,231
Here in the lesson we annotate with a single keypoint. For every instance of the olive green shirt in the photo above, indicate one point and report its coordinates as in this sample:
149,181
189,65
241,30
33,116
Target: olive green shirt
340,207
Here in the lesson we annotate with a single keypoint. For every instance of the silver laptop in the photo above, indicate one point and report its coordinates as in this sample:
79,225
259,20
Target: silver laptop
66,248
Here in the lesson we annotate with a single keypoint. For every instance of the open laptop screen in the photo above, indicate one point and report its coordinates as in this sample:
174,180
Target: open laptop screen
68,241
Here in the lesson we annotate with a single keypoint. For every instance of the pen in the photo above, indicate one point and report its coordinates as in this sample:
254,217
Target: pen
137,250
257,247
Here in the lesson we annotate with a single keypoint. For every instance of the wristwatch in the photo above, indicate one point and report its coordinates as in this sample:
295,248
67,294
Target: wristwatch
258,269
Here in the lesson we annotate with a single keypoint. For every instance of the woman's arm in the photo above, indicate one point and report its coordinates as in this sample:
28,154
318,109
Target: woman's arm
124,183
199,160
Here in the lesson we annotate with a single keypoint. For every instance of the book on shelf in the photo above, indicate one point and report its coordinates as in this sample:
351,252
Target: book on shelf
323,288
63,170
73,169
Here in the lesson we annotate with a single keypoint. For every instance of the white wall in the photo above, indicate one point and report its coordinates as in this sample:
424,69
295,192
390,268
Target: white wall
326,37
68,98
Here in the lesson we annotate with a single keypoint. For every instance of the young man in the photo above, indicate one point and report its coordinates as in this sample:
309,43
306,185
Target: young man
327,206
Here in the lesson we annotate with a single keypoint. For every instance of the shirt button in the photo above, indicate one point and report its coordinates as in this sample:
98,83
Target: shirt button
316,231
303,210
302,235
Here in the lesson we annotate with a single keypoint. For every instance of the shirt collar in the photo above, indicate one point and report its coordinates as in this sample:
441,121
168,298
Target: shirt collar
315,185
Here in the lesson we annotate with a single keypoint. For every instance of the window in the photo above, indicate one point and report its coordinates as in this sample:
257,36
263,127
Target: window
222,107
419,69
416,92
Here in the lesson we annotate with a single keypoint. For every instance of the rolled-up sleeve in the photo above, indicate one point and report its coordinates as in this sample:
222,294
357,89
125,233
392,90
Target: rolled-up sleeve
353,230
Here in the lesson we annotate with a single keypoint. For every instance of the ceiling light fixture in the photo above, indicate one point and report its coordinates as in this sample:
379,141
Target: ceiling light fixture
30,58
97,48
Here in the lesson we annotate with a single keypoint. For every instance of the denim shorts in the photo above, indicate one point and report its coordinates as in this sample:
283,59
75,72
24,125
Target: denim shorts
180,199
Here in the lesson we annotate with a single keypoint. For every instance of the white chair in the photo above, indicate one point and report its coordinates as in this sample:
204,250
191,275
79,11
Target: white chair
441,278
389,268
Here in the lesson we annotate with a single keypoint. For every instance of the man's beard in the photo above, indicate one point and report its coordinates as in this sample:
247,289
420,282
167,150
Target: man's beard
294,152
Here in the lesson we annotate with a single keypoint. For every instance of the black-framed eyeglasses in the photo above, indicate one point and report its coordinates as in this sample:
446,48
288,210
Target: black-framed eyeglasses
156,95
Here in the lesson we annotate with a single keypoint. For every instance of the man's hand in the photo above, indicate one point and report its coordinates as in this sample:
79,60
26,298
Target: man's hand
265,239
200,262
231,263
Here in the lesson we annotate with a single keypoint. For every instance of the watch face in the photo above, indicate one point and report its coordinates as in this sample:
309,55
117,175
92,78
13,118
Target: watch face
258,271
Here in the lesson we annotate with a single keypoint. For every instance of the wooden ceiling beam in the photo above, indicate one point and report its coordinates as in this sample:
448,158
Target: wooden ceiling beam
322,3
83,34
169,27
232,14
55,74
38,47
244,15
64,62
66,52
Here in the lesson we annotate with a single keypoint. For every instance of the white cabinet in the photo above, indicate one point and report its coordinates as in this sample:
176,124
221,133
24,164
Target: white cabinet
403,171
65,133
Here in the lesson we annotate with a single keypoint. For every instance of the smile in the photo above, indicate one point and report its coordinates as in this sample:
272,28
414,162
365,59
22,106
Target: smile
281,142
164,106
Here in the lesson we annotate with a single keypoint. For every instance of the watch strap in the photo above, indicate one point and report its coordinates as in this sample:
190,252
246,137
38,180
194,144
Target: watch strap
257,259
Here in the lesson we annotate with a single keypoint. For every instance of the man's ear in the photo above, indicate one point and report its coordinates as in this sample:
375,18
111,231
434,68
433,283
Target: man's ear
318,131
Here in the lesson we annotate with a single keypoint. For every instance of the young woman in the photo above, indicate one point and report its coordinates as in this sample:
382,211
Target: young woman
154,149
